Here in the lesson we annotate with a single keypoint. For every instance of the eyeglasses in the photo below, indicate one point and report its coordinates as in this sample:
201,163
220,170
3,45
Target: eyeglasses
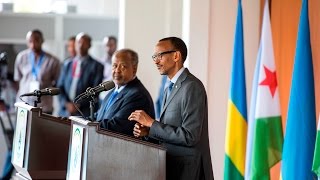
159,55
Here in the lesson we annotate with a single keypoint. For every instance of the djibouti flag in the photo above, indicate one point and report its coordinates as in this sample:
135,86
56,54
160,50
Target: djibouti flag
265,136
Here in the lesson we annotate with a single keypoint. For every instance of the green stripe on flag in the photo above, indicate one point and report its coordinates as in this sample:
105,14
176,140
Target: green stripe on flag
267,148
230,171
316,158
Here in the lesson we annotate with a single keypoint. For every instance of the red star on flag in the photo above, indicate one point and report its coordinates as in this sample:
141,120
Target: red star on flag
270,80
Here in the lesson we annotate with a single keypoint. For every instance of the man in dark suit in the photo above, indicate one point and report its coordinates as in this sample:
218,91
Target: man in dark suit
78,73
183,125
128,95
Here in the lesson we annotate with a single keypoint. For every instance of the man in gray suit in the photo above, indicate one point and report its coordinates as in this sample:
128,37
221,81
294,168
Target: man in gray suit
183,124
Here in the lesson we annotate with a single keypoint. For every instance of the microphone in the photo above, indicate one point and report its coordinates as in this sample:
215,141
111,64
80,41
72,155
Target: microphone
104,86
43,92
3,58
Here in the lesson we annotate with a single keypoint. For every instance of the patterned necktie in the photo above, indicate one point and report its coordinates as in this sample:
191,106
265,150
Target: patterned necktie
169,89
111,100
76,69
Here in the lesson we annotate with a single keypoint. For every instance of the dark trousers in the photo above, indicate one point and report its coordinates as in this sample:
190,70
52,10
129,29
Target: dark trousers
184,168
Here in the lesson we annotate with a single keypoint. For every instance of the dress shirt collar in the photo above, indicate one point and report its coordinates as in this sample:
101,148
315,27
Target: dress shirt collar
176,76
82,58
119,88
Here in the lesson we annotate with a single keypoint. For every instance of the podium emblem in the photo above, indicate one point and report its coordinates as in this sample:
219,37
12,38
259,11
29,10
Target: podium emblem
20,137
76,152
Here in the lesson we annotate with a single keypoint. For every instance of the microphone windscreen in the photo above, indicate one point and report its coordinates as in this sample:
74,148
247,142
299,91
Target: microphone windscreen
54,91
107,85
3,56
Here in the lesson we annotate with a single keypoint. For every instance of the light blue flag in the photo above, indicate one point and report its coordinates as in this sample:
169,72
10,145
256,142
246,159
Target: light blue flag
301,120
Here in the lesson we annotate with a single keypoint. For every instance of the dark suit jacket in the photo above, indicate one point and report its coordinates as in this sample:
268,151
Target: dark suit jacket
183,130
133,97
91,76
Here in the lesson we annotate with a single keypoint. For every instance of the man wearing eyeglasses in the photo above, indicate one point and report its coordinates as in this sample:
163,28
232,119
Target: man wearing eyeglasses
183,124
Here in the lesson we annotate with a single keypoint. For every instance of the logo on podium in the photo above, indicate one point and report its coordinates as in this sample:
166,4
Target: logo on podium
76,152
20,137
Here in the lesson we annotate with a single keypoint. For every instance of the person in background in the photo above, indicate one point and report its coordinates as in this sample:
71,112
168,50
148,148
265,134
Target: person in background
71,47
128,95
183,124
110,43
36,69
77,74
110,46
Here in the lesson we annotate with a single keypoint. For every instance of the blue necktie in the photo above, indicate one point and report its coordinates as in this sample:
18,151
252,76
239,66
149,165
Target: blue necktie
169,89
110,102
111,99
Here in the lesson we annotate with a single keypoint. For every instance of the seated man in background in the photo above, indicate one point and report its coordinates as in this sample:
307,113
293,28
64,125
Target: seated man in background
128,95
76,76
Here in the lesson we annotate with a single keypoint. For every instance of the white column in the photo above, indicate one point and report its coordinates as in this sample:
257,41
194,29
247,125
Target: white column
141,24
196,16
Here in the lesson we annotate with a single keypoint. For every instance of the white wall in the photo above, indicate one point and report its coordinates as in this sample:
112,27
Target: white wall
196,21
142,24
108,8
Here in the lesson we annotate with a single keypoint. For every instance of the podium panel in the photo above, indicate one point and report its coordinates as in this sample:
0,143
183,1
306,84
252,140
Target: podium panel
109,155
40,144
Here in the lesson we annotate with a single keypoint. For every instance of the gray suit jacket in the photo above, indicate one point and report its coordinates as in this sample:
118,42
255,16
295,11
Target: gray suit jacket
183,130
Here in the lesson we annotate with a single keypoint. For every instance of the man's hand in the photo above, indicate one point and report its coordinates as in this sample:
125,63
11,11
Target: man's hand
140,130
141,117
70,108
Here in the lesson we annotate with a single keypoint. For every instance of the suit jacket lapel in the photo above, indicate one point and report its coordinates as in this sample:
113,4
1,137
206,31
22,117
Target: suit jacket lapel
102,110
174,91
164,99
122,93
68,77
118,98
81,84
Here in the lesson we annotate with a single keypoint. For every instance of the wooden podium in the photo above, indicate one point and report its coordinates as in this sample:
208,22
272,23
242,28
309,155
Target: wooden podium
96,154
40,144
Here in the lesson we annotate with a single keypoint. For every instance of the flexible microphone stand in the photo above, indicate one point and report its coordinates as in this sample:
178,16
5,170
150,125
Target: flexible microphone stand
38,100
91,101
